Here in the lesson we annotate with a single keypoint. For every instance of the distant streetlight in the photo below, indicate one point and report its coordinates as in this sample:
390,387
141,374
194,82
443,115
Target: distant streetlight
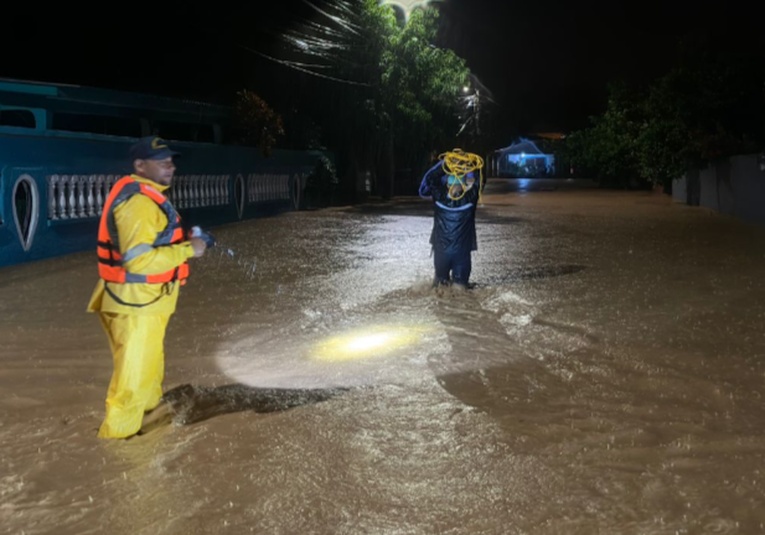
407,6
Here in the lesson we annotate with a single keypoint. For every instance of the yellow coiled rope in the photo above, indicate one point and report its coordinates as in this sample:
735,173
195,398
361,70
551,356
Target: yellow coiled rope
458,164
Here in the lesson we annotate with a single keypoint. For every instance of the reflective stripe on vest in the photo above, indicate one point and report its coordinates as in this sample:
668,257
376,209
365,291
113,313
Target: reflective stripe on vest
110,261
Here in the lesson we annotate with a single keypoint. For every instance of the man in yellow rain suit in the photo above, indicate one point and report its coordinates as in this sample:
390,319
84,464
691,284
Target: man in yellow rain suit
142,262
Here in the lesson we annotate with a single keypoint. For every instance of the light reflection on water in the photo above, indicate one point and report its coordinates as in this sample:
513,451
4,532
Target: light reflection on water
602,377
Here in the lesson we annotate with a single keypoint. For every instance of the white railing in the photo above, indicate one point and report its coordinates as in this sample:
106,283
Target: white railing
199,191
262,188
78,196
83,196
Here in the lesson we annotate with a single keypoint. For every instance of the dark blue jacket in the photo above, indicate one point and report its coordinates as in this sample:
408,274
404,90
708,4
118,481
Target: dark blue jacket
453,220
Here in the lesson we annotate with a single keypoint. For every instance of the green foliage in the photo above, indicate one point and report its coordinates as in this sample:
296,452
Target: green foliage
421,84
384,88
255,122
710,105
608,149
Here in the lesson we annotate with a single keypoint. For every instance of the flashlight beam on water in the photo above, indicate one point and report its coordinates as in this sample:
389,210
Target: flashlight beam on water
369,343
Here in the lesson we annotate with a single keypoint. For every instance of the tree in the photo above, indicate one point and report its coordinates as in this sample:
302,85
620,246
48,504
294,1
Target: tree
384,95
708,106
608,149
666,144
255,122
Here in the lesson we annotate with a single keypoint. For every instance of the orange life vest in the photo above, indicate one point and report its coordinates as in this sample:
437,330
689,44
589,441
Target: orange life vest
110,261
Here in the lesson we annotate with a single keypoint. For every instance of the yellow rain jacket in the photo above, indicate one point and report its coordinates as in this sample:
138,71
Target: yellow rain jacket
136,333
138,221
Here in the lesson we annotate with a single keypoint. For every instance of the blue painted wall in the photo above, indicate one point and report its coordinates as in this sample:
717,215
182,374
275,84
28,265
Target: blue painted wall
40,155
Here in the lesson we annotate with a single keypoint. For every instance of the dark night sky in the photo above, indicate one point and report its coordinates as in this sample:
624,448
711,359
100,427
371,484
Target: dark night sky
546,63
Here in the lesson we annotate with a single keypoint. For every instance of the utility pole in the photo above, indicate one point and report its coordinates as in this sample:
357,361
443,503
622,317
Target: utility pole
477,105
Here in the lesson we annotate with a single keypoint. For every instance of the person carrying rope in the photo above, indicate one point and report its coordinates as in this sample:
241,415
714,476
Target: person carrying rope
454,185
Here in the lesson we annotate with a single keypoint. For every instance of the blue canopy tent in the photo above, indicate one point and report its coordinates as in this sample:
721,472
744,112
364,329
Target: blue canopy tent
524,159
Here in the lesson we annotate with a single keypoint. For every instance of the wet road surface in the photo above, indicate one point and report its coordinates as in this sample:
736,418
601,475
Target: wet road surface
605,375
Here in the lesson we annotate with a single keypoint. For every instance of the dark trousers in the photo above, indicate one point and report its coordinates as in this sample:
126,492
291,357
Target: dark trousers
459,264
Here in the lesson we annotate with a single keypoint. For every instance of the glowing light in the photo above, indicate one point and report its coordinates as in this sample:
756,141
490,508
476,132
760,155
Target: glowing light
368,343
407,6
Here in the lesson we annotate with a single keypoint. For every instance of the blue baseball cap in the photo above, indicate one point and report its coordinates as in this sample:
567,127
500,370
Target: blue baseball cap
151,148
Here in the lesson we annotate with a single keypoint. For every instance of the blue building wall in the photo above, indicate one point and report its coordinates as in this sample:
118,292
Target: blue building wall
53,181
734,186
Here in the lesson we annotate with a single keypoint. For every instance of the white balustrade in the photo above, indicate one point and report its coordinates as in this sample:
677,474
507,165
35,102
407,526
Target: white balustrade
199,191
262,188
83,196
61,198
91,199
71,200
100,181
81,183
52,197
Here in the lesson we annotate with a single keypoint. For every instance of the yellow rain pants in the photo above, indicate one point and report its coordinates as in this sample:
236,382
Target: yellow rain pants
137,344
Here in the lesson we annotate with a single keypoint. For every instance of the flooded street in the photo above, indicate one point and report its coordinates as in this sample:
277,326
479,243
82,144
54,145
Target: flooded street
605,375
